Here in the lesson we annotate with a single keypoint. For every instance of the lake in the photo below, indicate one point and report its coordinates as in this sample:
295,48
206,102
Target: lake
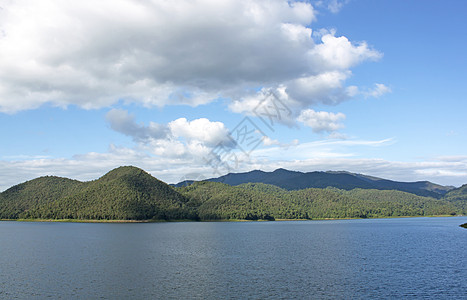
378,258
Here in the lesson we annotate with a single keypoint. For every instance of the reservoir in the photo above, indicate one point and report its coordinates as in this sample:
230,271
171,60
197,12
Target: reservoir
342,259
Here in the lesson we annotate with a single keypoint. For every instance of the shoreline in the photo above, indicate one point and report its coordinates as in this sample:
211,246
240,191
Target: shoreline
220,220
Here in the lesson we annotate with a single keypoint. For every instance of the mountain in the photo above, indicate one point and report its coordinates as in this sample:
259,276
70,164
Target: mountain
293,180
126,193
458,197
254,201
129,193
457,194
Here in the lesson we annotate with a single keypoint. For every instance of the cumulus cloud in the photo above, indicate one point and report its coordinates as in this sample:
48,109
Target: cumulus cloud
326,88
176,139
202,130
324,83
338,53
322,121
93,54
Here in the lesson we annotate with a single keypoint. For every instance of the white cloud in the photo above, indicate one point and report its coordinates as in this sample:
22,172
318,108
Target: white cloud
322,121
452,158
171,148
333,6
321,149
320,156
93,54
338,53
267,141
337,136
200,130
326,88
378,91
332,61
178,138
269,104
90,166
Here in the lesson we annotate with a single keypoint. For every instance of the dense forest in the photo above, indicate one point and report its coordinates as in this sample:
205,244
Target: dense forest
129,193
293,180
126,193
255,201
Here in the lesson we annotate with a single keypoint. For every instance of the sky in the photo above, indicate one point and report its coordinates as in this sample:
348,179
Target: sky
193,89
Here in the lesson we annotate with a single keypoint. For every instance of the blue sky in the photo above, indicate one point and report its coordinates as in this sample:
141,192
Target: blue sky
374,87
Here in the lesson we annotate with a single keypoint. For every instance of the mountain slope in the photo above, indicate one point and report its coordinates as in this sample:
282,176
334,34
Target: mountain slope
458,197
254,201
16,201
126,193
292,180
457,194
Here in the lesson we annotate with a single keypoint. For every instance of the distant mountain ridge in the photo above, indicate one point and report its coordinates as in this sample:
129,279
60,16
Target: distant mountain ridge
295,180
130,193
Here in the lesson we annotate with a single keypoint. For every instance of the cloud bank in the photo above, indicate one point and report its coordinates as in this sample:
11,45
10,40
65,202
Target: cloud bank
155,53
321,156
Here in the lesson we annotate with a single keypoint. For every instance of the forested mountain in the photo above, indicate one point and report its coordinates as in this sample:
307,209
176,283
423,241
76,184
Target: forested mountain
457,194
458,197
129,193
253,201
126,193
293,180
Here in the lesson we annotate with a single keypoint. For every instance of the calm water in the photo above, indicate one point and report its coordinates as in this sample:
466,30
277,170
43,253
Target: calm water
386,258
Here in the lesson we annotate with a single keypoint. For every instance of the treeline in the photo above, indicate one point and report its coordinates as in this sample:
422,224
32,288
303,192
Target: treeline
254,201
129,193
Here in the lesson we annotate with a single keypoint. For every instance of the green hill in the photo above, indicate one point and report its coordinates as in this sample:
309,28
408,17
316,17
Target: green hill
457,194
254,201
402,203
126,193
129,193
18,200
459,198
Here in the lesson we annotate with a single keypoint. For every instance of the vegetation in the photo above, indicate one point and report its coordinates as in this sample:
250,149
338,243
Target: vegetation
255,201
459,198
129,193
126,193
292,180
